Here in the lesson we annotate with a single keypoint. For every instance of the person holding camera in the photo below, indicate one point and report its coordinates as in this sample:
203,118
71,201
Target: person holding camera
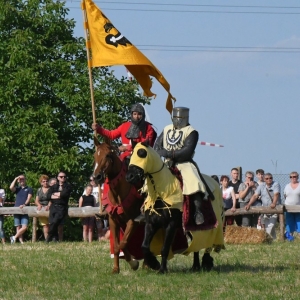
246,191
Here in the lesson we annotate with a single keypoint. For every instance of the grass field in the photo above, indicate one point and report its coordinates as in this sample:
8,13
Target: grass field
83,271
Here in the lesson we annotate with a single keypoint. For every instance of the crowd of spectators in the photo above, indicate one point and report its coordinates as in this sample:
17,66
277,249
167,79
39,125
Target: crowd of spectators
53,196
262,192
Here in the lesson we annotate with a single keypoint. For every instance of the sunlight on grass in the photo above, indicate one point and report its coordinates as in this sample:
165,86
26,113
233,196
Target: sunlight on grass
83,271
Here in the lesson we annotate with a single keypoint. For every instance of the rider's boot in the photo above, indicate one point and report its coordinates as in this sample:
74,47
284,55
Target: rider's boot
198,198
141,217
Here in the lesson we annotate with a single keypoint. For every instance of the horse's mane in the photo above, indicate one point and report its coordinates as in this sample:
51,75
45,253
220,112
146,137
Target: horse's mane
104,146
108,148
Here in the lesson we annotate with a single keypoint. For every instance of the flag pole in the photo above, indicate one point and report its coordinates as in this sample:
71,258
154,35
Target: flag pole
88,47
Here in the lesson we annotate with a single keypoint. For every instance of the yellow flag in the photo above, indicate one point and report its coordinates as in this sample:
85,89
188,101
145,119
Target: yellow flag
109,47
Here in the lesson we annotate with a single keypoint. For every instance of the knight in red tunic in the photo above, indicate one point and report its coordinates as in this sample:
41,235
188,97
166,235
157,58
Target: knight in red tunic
131,132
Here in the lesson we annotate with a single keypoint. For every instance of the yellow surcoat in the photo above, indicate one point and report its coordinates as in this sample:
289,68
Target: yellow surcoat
174,140
162,185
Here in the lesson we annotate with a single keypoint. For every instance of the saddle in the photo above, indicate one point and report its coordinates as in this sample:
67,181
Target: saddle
210,220
127,202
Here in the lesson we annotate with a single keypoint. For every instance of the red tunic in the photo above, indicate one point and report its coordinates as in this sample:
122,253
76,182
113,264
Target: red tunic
121,131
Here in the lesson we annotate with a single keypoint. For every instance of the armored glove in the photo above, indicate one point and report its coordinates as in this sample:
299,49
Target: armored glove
163,152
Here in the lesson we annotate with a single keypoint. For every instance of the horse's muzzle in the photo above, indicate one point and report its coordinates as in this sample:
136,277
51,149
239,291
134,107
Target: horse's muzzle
134,174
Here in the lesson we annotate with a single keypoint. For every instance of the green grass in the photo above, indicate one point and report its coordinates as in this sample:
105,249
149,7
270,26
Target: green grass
83,271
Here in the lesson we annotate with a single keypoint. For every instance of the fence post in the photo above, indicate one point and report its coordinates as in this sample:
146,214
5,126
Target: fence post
281,226
34,228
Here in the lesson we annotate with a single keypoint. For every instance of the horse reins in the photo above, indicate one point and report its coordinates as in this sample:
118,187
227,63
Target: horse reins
147,174
107,164
113,182
151,177
153,183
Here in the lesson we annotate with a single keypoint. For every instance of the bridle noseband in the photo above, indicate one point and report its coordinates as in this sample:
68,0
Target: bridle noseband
143,176
108,161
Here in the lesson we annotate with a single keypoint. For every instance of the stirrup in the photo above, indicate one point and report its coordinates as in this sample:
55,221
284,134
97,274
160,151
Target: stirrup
140,218
199,218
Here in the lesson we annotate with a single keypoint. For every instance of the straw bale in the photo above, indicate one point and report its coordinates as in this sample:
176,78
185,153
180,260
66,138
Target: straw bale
245,235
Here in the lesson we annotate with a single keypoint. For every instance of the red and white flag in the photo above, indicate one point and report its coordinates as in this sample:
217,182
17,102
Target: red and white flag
210,144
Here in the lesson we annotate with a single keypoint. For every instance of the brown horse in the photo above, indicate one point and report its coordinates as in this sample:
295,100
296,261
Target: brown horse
123,200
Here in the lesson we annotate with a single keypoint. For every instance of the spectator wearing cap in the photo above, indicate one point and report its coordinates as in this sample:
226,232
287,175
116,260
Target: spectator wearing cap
23,196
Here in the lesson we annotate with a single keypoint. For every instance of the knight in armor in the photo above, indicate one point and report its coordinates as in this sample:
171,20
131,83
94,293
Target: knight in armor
177,145
131,132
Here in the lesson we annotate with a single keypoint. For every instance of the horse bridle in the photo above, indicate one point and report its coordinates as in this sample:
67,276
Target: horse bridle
151,177
109,161
147,174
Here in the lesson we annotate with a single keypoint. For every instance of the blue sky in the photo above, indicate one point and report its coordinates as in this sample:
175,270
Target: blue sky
241,93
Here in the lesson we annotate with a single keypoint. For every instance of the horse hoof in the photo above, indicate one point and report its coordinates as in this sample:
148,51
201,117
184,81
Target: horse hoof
145,266
195,269
207,268
134,264
116,271
155,267
162,271
151,262
207,262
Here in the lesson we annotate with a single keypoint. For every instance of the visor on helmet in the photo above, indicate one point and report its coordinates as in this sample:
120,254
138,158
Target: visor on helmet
180,117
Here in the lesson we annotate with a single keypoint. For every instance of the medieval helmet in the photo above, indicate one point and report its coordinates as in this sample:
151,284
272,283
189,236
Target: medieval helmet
138,108
180,117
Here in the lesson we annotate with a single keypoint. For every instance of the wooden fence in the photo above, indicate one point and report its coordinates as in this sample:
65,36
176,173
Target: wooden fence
79,212
31,211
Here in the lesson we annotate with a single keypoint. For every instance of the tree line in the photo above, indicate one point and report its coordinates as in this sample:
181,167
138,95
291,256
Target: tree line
45,107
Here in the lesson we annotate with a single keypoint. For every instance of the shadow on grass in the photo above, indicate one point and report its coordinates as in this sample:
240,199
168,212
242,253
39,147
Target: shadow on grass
228,268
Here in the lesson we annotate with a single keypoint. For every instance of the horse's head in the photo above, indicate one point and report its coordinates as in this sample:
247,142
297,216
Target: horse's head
104,158
144,160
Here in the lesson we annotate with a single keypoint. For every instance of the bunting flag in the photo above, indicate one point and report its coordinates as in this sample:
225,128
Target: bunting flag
210,144
109,47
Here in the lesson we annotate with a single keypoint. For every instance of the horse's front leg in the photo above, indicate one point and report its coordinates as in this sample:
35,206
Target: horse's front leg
169,237
115,231
149,259
196,263
207,260
130,227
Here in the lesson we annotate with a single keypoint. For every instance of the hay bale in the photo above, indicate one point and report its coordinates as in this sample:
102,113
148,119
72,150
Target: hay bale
245,235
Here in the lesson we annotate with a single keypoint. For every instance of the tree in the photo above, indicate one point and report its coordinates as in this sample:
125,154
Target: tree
45,110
